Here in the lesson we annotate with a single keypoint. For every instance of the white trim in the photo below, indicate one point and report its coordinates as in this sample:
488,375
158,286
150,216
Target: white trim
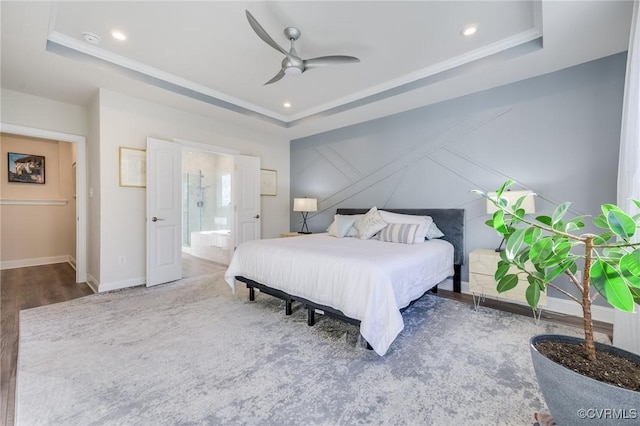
97,52
40,133
206,147
554,304
119,285
81,185
16,202
93,283
26,263
474,55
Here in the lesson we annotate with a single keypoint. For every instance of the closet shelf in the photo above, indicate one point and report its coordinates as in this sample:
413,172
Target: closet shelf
24,202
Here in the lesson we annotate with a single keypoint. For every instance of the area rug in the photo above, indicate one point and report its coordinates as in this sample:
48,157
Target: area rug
194,353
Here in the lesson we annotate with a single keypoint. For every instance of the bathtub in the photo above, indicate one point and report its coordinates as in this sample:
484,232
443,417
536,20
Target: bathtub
219,238
211,245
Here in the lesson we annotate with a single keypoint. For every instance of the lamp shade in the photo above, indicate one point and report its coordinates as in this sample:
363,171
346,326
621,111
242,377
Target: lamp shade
305,205
529,204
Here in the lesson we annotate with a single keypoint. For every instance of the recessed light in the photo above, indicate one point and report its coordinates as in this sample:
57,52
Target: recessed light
118,35
91,38
287,104
469,30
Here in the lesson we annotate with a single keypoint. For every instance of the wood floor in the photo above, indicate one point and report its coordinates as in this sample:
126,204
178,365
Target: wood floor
25,288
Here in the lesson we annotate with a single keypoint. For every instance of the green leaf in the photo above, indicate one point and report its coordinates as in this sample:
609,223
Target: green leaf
575,223
611,285
515,243
507,283
613,254
541,250
504,186
499,223
631,280
601,222
559,212
558,270
533,295
621,223
603,238
559,226
545,220
636,295
532,234
631,262
503,268
636,202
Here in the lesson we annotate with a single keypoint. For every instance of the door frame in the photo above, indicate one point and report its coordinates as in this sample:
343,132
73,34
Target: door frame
210,149
81,185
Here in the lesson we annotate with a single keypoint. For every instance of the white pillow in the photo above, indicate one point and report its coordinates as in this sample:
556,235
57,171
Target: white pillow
434,232
404,233
368,225
423,221
342,225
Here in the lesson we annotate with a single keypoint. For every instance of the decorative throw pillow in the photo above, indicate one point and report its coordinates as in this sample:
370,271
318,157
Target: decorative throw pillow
423,221
368,225
344,224
404,233
434,232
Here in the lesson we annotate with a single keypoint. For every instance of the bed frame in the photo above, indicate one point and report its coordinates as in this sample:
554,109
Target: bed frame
450,222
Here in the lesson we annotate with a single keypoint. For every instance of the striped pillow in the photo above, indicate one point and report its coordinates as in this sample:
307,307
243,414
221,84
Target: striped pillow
404,233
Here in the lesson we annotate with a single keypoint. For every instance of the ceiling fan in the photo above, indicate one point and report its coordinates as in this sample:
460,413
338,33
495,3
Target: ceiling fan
292,64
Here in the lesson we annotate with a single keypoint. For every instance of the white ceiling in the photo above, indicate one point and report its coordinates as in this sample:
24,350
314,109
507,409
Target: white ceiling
203,56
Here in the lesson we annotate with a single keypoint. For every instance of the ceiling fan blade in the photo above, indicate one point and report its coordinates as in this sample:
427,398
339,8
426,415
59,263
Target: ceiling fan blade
324,61
276,77
263,34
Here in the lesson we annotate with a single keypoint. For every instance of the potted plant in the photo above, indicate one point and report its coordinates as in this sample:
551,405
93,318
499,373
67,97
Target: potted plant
580,379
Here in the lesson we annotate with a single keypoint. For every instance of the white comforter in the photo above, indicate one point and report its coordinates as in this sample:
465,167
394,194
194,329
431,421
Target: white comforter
368,280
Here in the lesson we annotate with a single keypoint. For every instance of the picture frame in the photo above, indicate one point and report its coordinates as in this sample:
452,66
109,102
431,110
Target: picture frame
26,168
133,167
268,182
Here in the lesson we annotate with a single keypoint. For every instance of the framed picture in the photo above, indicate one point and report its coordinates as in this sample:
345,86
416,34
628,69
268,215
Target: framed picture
26,168
268,182
133,167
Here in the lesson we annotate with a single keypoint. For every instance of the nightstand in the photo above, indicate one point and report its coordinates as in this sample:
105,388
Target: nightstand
290,234
482,268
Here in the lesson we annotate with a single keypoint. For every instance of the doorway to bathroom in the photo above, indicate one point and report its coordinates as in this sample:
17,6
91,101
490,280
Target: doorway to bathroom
206,205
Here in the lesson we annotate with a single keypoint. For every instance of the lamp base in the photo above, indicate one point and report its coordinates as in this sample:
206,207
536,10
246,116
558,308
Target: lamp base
305,232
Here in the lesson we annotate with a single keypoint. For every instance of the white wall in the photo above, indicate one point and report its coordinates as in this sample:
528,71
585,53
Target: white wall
127,121
93,189
40,113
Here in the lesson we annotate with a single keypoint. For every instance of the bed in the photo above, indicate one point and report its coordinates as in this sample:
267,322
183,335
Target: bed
363,282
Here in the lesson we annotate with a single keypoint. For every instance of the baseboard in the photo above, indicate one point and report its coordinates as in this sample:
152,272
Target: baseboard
25,263
554,304
93,283
119,285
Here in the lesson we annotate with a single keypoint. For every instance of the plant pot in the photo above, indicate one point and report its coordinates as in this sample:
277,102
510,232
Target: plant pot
574,399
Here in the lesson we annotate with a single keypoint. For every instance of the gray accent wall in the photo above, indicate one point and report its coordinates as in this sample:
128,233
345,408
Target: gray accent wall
556,134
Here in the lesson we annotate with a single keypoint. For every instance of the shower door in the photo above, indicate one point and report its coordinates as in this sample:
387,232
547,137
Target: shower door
192,205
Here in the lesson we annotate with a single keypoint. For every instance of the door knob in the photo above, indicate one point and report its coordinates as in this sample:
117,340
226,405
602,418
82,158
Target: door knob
155,219
257,216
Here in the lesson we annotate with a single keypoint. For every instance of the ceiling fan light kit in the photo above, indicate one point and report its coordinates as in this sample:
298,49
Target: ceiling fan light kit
292,64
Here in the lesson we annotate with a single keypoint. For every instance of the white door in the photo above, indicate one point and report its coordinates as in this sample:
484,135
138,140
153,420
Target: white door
246,199
164,211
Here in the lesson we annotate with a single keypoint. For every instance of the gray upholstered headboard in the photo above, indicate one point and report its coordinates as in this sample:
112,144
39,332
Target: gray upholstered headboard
450,222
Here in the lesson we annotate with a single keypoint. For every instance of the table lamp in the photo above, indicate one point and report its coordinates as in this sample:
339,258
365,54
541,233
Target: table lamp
305,205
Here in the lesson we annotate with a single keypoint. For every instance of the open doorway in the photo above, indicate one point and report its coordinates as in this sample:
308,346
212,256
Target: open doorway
207,212
76,171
